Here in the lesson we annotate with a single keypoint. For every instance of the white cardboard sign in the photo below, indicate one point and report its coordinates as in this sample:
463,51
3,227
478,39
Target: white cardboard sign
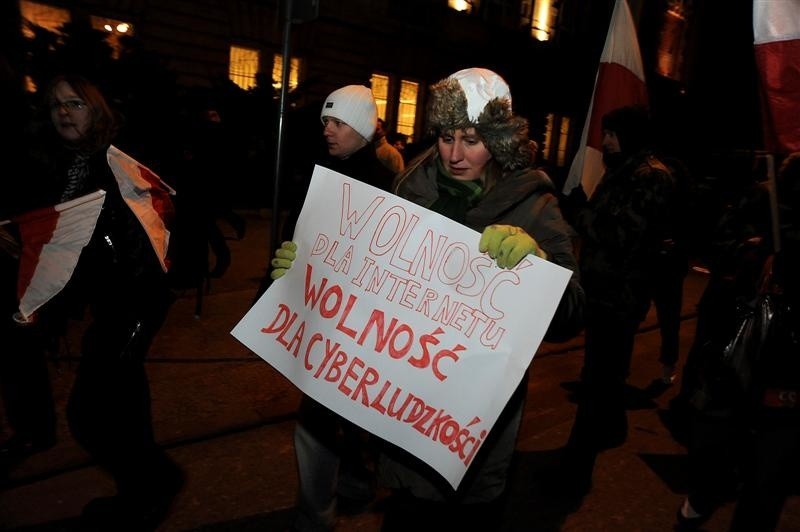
391,317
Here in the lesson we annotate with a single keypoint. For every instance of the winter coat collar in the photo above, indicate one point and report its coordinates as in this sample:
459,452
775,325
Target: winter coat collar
419,185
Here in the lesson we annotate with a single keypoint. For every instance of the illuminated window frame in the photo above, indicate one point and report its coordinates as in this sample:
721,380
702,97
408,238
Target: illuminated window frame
405,106
243,66
542,16
115,30
277,72
379,84
463,6
563,136
556,136
48,17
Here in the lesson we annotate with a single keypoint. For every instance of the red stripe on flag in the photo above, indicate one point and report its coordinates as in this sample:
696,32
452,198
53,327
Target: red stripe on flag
160,200
616,87
36,229
779,67
159,197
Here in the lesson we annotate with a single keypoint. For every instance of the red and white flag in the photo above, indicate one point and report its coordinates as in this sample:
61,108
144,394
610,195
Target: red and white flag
619,82
147,196
52,241
776,28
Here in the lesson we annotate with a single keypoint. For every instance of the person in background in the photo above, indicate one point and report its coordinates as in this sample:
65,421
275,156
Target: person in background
24,380
120,280
624,230
748,441
399,141
388,155
478,173
335,458
207,158
672,266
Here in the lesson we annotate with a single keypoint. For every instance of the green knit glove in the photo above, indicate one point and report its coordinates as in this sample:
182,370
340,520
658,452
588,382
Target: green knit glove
508,244
284,257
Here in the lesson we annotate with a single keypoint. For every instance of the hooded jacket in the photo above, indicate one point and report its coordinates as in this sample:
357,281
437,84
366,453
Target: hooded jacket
622,231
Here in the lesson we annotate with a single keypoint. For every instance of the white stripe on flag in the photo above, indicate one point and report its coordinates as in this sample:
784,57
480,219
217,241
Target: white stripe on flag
52,241
619,82
776,28
776,20
147,196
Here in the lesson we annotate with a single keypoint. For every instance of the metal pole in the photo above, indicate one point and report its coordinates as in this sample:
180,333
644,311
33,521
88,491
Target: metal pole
273,243
772,186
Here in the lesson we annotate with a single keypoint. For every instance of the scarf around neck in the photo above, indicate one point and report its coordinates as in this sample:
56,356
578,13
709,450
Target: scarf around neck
456,197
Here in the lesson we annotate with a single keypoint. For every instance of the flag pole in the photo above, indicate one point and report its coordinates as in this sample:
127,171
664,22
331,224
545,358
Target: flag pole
773,202
275,223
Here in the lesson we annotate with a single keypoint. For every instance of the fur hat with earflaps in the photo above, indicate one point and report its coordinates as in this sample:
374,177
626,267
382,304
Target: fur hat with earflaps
479,98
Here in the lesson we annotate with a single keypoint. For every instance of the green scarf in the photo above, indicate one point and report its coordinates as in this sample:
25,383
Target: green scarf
455,197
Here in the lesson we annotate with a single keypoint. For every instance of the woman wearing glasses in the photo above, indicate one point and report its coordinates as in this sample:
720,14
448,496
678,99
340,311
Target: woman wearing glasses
119,279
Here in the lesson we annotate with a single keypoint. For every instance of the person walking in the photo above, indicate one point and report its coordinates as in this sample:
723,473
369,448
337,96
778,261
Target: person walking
744,438
120,280
335,458
24,379
623,229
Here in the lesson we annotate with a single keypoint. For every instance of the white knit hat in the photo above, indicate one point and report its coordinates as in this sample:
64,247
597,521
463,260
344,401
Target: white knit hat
355,106
481,86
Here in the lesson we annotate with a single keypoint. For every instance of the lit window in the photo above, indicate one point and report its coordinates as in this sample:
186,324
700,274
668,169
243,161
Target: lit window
672,42
114,29
48,17
547,145
403,110
277,72
562,141
243,66
462,5
380,91
542,17
556,137
407,109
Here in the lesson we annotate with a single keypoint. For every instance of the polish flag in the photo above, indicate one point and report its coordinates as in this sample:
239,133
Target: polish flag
619,82
52,241
147,196
776,28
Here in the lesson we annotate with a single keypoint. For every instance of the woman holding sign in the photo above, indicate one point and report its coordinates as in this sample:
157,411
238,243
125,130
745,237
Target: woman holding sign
478,173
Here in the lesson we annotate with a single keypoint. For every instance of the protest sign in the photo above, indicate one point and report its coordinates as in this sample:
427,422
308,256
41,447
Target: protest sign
391,317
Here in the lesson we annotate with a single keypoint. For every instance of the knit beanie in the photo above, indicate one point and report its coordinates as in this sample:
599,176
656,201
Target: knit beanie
479,98
355,106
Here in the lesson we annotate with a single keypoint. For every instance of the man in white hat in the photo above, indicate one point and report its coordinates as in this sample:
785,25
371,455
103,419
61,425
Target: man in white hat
333,454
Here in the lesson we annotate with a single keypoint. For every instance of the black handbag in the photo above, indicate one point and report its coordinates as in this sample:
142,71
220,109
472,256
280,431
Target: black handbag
760,363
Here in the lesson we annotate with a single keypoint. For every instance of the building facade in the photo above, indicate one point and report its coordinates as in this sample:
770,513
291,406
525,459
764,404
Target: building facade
547,50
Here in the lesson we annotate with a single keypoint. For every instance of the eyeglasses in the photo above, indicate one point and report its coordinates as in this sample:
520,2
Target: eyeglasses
68,105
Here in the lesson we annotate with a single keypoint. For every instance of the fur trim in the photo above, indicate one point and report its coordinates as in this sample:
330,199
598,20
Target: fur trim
505,135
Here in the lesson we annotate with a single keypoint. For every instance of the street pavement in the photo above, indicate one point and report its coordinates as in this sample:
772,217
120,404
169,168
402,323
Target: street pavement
226,417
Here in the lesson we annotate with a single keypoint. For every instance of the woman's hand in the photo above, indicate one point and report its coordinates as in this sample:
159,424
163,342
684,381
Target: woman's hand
508,244
284,257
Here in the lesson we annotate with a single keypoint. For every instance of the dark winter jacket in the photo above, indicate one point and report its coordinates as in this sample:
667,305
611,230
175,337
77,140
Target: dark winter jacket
622,230
363,165
523,198
118,275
